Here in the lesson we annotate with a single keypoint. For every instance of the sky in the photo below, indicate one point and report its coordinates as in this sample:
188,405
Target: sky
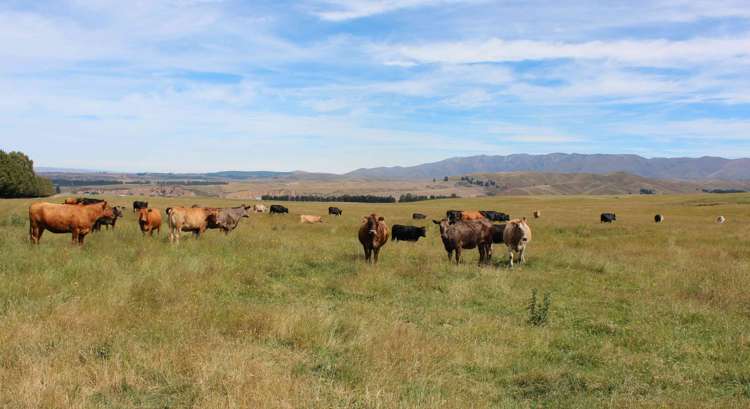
335,85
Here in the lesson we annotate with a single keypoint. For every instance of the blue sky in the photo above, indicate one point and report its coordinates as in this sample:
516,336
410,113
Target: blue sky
334,85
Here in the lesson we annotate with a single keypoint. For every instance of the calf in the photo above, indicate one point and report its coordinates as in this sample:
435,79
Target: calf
138,205
407,233
109,218
607,218
373,234
334,211
418,216
466,235
61,218
495,216
149,220
278,209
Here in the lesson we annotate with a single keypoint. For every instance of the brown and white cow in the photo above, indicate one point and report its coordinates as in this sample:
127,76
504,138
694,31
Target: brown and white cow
62,218
192,219
721,219
537,214
373,234
516,236
306,218
149,220
466,235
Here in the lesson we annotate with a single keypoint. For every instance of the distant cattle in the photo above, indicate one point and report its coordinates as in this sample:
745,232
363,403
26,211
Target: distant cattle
373,234
82,200
472,215
149,220
537,214
466,235
61,218
607,218
495,216
453,215
658,218
334,211
109,218
259,208
306,218
278,209
194,220
227,219
407,233
138,205
516,236
418,216
721,220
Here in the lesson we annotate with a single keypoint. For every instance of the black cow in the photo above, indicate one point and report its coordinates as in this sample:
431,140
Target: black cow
407,233
495,216
138,205
109,218
334,211
607,218
453,215
278,209
658,218
417,216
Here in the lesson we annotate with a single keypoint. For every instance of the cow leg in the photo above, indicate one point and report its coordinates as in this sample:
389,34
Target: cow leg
522,256
35,234
376,251
458,255
81,236
450,255
368,253
510,258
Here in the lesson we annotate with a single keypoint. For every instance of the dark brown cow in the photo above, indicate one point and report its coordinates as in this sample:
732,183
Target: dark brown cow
149,220
227,219
466,235
373,234
61,218
109,218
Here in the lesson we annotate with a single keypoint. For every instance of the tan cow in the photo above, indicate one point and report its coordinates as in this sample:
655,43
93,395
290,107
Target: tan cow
468,216
373,234
516,236
260,208
537,214
306,218
192,219
721,219
61,218
149,220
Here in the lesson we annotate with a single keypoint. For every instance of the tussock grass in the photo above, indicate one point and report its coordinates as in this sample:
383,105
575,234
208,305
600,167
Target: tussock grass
279,314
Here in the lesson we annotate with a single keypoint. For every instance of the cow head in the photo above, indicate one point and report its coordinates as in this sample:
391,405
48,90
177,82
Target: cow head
422,232
117,211
143,215
444,223
372,223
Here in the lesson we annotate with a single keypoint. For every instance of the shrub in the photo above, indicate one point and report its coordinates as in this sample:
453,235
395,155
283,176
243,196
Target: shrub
538,313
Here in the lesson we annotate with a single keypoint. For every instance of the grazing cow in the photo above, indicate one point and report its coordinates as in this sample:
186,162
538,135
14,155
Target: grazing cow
607,218
494,216
149,220
138,205
192,219
418,216
82,200
407,233
721,219
466,235
516,235
259,208
278,209
453,215
373,234
334,211
468,216
537,214
227,219
306,218
109,218
61,218
658,218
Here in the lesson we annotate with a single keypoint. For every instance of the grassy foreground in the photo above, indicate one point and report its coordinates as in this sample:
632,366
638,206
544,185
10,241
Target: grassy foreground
279,314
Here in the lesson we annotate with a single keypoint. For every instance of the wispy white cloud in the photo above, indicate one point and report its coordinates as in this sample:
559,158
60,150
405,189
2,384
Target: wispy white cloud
341,10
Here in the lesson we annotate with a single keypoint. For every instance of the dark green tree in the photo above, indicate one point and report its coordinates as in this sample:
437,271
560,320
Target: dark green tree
17,177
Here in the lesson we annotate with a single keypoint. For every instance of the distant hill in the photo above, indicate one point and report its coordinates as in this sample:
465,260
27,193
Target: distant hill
536,183
703,168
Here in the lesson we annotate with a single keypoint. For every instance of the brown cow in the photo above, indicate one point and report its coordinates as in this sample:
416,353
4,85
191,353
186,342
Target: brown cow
467,216
306,218
192,219
373,234
227,219
149,220
61,218
466,235
516,235
537,214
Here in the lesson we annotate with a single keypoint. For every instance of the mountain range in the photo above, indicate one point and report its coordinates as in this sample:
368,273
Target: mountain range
703,168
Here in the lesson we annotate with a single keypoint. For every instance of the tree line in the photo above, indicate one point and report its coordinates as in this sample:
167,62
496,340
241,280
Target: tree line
408,197
343,198
17,177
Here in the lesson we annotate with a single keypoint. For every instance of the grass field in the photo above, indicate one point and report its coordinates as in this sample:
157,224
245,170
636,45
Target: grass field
279,314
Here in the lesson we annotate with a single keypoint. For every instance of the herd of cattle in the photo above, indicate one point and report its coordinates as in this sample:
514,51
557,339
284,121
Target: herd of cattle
459,230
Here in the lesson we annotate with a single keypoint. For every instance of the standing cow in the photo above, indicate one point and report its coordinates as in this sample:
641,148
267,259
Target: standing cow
537,214
149,220
407,233
192,219
138,205
373,234
466,235
495,216
418,216
334,211
259,208
61,218
227,219
278,209
516,236
658,218
721,219
109,218
607,218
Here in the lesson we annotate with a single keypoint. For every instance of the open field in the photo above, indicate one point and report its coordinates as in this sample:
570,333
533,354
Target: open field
279,314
